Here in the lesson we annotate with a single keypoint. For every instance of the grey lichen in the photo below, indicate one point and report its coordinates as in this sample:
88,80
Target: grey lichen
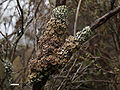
60,12
84,34
72,44
8,70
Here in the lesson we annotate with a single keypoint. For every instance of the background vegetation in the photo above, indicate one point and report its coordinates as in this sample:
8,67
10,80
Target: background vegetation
95,66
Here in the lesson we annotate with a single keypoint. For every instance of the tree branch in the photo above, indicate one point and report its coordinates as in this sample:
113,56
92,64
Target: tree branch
22,17
21,33
100,21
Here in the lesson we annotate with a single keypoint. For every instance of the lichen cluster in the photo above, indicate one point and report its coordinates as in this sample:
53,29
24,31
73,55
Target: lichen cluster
60,12
72,44
8,70
53,38
84,34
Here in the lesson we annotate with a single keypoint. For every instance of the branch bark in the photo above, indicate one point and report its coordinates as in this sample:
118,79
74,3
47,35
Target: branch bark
100,21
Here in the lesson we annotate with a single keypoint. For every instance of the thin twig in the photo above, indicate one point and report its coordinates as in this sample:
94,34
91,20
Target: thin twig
22,16
6,7
3,2
76,18
35,26
67,74
2,34
72,57
83,81
77,71
21,33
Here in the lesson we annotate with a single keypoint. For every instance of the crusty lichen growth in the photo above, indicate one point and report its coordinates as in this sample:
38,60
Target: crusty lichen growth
84,34
60,12
47,60
8,70
72,44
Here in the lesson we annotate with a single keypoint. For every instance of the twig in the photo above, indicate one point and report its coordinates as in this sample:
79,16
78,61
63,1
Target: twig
84,69
76,18
35,25
22,17
21,33
67,74
72,57
83,81
2,34
77,71
3,2
6,7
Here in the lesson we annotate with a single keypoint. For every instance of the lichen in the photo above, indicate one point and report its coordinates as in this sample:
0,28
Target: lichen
8,70
60,12
84,34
